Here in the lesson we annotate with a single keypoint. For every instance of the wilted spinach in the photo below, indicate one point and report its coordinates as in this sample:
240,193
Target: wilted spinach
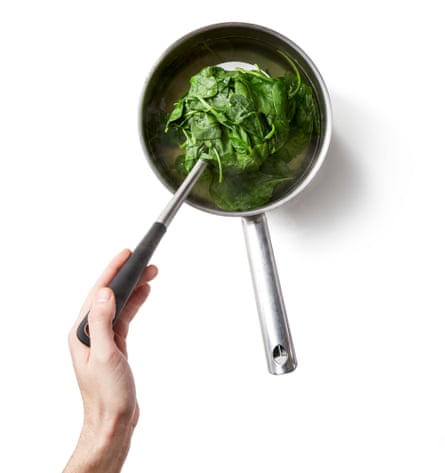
247,126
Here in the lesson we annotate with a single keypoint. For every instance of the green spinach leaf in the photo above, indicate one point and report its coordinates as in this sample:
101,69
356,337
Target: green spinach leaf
247,126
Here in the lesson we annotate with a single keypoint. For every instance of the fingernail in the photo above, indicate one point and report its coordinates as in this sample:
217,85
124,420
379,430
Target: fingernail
103,295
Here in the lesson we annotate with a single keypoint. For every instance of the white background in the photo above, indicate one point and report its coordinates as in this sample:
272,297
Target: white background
360,253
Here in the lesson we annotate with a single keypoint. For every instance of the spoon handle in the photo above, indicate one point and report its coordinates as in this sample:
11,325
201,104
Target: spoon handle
128,276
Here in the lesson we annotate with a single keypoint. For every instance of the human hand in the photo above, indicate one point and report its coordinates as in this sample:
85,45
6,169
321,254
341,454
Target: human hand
104,376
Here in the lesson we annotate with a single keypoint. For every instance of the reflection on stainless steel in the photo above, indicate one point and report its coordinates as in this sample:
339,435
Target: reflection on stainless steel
280,354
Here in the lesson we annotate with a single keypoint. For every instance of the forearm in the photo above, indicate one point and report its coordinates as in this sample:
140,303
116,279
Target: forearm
101,449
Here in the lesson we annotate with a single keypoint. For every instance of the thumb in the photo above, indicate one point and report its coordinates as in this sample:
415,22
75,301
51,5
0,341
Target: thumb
100,320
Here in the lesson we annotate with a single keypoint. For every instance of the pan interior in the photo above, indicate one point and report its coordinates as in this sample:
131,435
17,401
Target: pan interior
169,80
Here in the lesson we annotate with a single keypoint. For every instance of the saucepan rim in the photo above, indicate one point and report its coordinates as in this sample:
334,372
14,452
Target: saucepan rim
322,95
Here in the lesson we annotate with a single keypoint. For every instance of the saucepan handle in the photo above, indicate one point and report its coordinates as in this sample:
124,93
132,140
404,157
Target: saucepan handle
276,334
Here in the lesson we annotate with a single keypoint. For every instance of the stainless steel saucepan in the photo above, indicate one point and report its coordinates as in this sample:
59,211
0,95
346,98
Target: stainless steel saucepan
211,45
252,44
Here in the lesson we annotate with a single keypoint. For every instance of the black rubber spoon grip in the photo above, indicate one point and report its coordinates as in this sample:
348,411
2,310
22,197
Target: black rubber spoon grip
128,276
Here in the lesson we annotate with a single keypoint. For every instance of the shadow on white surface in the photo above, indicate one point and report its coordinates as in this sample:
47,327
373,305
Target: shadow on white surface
340,186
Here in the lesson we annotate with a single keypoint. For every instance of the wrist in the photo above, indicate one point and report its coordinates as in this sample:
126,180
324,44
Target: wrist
102,447
110,441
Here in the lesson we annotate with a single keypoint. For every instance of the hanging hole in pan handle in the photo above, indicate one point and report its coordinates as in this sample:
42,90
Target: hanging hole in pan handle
280,355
